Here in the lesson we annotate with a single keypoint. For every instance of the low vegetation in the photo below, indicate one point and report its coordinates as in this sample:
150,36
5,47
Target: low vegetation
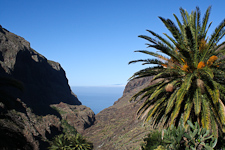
69,140
180,138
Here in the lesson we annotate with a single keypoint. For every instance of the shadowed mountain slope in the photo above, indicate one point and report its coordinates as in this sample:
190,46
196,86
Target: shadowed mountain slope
33,116
44,81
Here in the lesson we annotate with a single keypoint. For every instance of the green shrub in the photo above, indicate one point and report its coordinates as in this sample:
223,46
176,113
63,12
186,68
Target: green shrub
67,128
199,138
174,137
80,143
60,142
70,139
153,140
70,142
192,138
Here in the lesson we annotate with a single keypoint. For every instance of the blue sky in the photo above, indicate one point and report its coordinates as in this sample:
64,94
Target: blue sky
94,40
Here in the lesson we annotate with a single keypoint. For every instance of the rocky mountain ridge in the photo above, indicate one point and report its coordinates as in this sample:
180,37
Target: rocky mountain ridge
44,80
35,117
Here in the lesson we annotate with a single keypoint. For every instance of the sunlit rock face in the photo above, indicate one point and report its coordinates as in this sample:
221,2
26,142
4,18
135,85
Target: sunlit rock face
118,127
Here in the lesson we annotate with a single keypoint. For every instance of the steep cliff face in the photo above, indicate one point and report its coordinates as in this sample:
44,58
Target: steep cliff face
35,114
118,127
44,80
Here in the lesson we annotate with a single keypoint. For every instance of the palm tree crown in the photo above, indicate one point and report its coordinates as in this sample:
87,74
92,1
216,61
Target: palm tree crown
188,73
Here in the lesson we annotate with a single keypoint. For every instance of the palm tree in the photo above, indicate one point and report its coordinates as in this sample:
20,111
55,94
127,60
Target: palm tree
188,72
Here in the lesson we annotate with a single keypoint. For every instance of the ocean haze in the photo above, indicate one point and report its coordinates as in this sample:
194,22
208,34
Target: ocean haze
98,97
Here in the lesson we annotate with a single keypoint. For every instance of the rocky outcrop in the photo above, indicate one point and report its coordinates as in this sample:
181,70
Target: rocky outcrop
118,127
25,130
33,116
44,80
78,116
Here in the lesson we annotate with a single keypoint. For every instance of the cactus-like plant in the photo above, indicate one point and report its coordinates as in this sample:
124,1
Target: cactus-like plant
199,138
190,137
174,137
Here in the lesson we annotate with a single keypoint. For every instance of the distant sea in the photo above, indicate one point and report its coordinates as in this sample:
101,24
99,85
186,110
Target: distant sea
98,98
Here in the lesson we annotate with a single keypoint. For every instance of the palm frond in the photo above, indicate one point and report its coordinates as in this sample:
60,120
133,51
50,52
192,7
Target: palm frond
155,108
187,110
171,102
205,121
221,111
215,37
183,15
151,71
180,96
173,29
147,89
197,101
147,61
179,24
205,21
162,39
152,54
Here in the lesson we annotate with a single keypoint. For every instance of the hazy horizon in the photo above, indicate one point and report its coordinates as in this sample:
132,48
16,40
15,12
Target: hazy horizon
98,97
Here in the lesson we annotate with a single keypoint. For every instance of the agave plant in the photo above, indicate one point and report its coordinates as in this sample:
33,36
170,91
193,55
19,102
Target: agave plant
194,137
173,137
188,71
80,143
199,138
60,142
70,142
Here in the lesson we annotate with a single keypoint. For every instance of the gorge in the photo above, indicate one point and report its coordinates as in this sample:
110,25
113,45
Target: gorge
47,99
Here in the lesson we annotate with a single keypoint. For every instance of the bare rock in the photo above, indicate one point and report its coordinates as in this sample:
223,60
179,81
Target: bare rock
78,116
30,122
27,131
